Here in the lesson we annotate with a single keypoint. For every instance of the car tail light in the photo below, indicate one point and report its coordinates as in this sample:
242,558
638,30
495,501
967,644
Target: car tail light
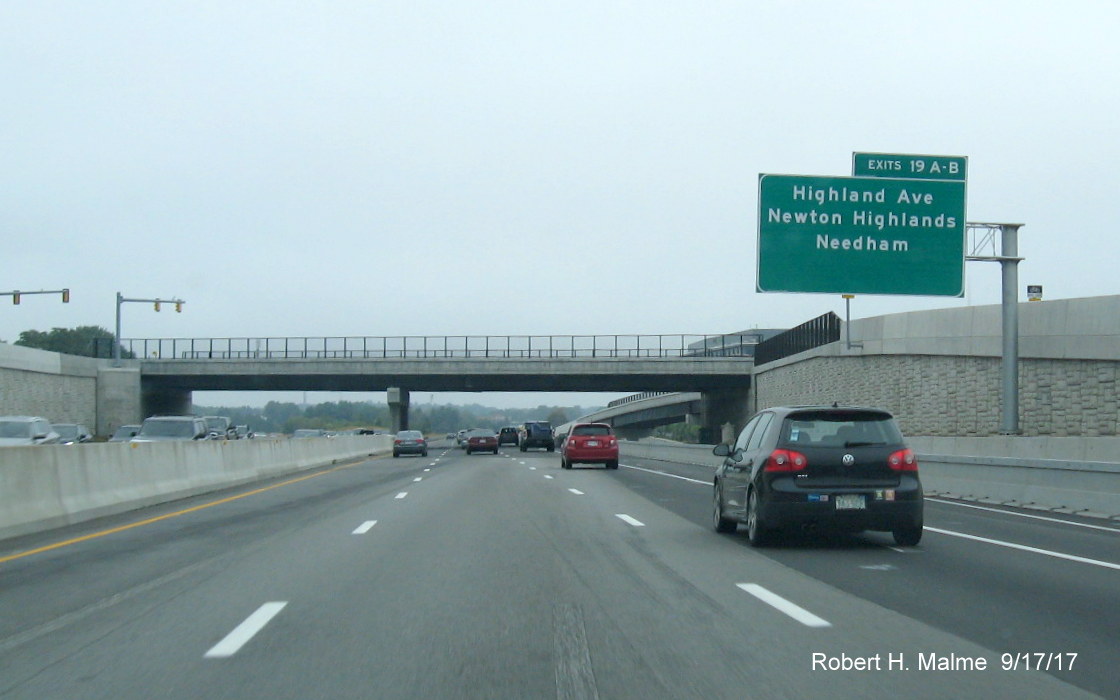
903,461
785,461
396,442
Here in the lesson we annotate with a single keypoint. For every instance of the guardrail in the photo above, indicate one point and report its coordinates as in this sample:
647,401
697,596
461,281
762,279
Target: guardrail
458,346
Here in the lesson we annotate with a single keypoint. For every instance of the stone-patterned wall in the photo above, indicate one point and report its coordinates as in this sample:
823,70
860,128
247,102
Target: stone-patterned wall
954,396
59,398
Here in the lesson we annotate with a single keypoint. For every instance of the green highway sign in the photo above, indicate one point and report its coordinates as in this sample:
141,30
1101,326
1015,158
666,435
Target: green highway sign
860,235
910,167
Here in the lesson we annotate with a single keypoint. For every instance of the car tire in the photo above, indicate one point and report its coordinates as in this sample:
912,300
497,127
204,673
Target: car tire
757,532
551,448
613,464
523,448
468,450
721,523
565,464
907,536
396,454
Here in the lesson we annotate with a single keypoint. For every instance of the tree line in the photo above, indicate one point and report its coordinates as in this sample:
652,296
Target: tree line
287,417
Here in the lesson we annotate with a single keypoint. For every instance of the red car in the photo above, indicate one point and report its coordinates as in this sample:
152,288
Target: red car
593,443
481,440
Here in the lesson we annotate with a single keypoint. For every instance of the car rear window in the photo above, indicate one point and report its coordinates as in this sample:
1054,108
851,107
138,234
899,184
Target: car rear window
840,429
591,430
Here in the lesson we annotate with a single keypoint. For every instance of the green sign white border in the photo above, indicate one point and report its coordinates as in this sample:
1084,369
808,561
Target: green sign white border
830,288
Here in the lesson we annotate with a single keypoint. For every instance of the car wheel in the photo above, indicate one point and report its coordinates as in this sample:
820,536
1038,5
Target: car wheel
468,450
757,533
522,448
907,536
613,464
720,523
396,454
551,448
565,464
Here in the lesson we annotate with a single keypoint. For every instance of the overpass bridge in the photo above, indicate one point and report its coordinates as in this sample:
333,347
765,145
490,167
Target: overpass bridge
163,373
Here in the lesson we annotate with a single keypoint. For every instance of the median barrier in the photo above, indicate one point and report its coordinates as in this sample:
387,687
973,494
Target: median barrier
1061,474
55,485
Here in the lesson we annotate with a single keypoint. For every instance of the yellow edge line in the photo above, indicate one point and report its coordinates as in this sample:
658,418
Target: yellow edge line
149,521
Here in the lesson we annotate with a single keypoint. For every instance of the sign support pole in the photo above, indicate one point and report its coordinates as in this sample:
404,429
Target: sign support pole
1008,260
1009,265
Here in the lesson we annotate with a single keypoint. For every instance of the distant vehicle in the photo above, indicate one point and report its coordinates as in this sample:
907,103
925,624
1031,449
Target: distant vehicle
72,433
509,435
309,433
482,440
843,468
26,430
590,443
537,433
124,433
172,428
410,442
220,427
243,432
461,437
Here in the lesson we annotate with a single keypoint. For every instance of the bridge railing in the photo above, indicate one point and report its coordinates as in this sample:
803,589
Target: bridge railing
456,346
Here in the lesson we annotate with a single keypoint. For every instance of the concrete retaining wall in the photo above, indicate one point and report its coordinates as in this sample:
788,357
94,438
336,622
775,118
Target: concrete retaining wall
1071,475
56,485
61,388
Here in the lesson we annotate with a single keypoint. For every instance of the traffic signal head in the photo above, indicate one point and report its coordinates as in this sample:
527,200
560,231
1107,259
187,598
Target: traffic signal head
178,307
65,296
15,297
157,306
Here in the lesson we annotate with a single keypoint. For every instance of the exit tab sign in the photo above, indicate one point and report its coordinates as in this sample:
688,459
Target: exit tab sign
910,167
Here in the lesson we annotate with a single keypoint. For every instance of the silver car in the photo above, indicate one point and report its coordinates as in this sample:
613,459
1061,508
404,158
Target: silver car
72,433
171,428
26,430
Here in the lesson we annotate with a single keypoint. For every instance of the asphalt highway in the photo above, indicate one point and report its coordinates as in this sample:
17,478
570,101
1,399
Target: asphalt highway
483,576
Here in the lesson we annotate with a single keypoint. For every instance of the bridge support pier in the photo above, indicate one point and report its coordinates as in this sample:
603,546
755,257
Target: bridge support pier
118,398
398,408
725,412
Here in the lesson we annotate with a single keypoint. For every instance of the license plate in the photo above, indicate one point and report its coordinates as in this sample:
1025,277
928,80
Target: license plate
847,501
592,443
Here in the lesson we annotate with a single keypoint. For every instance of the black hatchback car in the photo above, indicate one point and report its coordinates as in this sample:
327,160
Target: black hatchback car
839,467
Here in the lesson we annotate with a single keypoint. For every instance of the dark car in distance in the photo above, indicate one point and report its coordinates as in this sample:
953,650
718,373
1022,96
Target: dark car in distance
841,468
410,442
536,433
482,440
508,435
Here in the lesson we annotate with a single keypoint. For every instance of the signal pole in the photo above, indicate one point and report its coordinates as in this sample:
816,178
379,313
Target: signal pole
16,294
121,300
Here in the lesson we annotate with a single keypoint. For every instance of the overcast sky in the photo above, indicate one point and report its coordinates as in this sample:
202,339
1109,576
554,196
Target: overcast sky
509,167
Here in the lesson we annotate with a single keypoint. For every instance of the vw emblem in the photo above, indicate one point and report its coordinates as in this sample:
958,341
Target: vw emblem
849,460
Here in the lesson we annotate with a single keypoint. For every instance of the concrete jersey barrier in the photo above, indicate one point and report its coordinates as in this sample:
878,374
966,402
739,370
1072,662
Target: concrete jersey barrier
51,486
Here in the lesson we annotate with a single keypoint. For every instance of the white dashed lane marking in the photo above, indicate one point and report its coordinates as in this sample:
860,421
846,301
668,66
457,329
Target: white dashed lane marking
241,634
779,603
365,527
